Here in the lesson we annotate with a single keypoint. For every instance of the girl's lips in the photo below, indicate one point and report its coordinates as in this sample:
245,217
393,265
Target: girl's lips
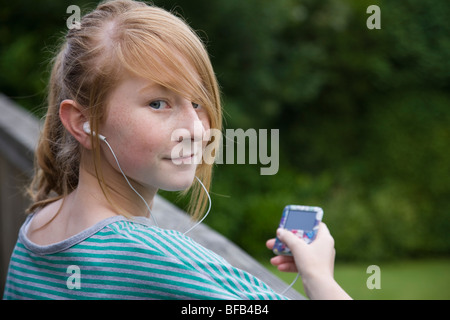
179,158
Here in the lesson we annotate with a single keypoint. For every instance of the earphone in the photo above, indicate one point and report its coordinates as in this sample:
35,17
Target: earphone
87,129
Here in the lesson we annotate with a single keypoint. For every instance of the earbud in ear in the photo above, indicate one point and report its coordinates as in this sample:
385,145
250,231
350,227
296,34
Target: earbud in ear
87,129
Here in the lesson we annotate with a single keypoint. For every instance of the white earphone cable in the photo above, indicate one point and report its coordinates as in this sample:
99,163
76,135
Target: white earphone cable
207,212
291,285
129,184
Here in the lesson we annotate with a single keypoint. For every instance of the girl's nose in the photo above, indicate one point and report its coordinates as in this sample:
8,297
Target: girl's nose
190,123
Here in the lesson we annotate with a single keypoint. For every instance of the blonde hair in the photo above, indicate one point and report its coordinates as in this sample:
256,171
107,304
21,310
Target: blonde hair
119,36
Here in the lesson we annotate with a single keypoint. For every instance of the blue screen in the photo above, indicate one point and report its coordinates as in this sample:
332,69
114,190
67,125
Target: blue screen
303,220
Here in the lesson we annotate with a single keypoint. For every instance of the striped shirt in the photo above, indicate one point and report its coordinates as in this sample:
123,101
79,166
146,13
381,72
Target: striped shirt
119,258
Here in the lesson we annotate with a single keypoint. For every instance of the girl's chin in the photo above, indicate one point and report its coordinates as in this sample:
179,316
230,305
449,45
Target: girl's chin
178,183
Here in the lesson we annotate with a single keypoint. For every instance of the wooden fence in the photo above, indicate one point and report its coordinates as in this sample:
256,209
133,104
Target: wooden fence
19,132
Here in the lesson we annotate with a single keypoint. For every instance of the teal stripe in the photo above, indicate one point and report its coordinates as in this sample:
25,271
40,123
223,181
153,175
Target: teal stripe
33,284
102,264
27,295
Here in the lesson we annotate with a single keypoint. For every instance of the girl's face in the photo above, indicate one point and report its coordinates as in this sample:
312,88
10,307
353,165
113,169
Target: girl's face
145,124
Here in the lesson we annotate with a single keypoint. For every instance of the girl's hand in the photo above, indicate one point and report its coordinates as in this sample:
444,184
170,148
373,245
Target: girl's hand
314,262
316,258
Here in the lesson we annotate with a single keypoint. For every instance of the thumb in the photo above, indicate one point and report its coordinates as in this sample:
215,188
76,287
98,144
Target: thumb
290,240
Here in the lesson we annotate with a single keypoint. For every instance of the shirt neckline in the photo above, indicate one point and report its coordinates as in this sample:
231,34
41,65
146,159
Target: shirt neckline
66,243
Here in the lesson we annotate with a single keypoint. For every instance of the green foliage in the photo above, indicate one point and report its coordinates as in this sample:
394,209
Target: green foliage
29,32
363,114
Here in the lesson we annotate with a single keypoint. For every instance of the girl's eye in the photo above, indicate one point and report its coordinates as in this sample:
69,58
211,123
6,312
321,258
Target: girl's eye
195,105
158,104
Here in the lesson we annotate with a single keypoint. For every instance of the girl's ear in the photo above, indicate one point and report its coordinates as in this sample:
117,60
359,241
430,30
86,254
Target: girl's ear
73,117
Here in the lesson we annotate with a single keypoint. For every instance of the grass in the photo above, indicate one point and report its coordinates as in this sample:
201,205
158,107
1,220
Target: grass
402,280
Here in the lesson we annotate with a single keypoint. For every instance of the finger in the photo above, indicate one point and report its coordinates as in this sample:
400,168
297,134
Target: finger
284,264
270,243
277,260
287,267
290,240
324,235
323,229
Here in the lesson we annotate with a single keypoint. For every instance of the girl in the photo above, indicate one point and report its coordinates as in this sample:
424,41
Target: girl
120,86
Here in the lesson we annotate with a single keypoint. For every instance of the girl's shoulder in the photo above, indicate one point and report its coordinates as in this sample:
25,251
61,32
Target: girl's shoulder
140,233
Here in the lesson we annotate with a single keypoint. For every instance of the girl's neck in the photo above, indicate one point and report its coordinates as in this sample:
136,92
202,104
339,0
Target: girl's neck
88,205
115,194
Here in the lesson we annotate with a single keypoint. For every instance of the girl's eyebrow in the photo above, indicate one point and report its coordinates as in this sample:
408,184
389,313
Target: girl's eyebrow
153,87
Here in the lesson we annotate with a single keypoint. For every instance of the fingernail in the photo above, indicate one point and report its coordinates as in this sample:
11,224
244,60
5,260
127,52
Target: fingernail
279,231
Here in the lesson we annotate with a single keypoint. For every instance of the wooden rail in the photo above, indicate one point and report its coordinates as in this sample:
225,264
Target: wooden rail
19,132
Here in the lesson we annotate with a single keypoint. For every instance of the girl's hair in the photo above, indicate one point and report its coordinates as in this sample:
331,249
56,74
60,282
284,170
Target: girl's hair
119,36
